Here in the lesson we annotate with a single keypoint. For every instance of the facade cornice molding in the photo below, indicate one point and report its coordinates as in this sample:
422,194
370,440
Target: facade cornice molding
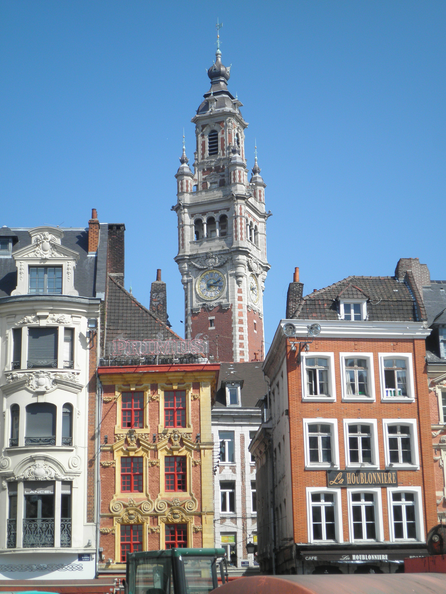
362,330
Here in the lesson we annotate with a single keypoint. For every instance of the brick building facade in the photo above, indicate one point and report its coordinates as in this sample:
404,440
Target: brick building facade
345,450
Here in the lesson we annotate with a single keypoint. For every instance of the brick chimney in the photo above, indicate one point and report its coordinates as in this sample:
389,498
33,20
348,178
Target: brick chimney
294,295
158,298
420,272
93,232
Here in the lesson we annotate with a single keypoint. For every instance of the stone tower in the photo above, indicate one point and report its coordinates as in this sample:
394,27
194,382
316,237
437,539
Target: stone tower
222,229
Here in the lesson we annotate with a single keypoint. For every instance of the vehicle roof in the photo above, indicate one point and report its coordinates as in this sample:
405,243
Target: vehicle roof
178,553
400,583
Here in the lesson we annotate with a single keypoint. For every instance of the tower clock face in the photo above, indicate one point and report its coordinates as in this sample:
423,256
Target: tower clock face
253,288
211,284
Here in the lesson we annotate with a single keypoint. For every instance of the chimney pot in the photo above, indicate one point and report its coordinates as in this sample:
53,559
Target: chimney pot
94,213
158,274
296,275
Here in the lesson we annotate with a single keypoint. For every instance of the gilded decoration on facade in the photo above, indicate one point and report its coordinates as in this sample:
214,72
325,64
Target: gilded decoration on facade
107,530
109,398
187,505
108,463
130,512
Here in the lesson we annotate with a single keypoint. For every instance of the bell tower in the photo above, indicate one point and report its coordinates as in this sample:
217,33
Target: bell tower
222,229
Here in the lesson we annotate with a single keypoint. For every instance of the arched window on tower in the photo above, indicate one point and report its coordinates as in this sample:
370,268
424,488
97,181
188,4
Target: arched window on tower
256,236
15,418
213,142
251,232
237,140
211,227
223,225
67,425
198,229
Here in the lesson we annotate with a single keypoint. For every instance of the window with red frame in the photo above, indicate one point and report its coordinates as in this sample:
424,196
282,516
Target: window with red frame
175,473
132,409
175,409
176,536
131,474
131,540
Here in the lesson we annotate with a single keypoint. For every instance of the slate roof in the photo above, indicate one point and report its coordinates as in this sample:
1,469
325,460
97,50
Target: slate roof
88,278
434,296
254,384
387,299
129,320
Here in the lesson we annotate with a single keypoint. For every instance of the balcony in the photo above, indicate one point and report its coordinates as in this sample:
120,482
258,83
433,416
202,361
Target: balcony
38,533
11,538
44,441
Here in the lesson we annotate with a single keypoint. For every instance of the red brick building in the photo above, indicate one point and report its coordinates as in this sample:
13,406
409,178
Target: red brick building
345,453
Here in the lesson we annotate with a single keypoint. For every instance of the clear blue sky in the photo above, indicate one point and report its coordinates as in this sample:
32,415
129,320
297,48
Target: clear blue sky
346,99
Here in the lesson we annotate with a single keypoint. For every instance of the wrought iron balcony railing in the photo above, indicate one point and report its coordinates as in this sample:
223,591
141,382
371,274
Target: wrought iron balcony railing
38,533
49,440
11,538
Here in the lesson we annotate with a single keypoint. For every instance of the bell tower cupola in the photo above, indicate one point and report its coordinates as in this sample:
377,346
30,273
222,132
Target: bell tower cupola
222,229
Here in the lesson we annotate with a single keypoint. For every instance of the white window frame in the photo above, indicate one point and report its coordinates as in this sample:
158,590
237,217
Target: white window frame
409,377
379,529
211,323
334,444
442,341
339,536
415,464
251,499
330,376
237,387
370,377
373,423
363,308
441,416
226,440
227,496
418,513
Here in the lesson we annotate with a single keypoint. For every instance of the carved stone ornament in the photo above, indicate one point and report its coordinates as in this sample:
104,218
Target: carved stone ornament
154,462
74,462
5,463
195,395
198,528
187,505
254,266
129,512
108,398
177,516
107,530
196,462
40,471
209,260
154,397
108,463
153,529
437,433
29,320
59,319
45,246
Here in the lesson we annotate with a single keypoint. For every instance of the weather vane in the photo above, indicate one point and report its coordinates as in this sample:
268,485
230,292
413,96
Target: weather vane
218,26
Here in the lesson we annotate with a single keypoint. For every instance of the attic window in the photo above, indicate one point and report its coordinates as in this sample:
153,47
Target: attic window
442,339
5,246
45,279
233,394
353,311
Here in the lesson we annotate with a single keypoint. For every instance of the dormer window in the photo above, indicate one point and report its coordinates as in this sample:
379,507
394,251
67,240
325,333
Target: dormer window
45,280
353,311
5,246
442,339
233,390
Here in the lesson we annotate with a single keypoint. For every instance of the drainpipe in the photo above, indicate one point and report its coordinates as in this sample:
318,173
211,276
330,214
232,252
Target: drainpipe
273,506
97,502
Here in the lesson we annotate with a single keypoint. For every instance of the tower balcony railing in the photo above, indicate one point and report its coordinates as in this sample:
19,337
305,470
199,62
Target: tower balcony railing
38,533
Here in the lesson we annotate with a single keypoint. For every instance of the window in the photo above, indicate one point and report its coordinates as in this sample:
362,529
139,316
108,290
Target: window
227,497
233,394
226,446
396,376
211,323
131,540
253,497
175,473
442,340
65,515
405,514
211,227
323,525
223,231
229,544
360,442
16,348
5,246
40,424
252,434
45,279
321,443
11,539
39,520
175,409
132,409
353,311
358,376
131,474
198,229
15,419
213,142
400,443
68,350
363,515
443,407
318,372
176,536
42,347
67,425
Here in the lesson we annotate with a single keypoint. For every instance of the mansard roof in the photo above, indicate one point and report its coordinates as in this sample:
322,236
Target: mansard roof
249,376
387,299
434,296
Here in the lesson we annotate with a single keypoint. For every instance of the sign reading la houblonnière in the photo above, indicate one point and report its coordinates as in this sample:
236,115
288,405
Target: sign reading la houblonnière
359,478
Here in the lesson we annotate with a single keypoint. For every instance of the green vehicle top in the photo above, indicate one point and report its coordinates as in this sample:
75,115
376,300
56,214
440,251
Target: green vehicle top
175,571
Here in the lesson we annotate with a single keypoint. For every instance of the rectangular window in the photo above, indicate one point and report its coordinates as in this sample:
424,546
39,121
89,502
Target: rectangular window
323,525
211,323
176,536
233,394
5,246
400,448
252,434
16,348
131,540
253,497
175,473
442,340
357,370
353,311
406,518
227,496
45,279
42,347
361,442
319,444
131,474
175,408
226,446
396,376
443,407
363,516
11,539
68,348
132,409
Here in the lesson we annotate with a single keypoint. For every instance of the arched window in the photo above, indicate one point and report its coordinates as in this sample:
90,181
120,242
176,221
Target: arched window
211,227
251,232
198,228
223,225
213,142
67,425
256,235
237,140
15,418
40,424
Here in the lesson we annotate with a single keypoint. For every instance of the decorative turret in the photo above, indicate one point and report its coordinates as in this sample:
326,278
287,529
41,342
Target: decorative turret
257,181
184,174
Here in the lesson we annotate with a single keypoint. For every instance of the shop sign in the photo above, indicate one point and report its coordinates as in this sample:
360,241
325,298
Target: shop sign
84,557
227,538
146,348
350,557
362,478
